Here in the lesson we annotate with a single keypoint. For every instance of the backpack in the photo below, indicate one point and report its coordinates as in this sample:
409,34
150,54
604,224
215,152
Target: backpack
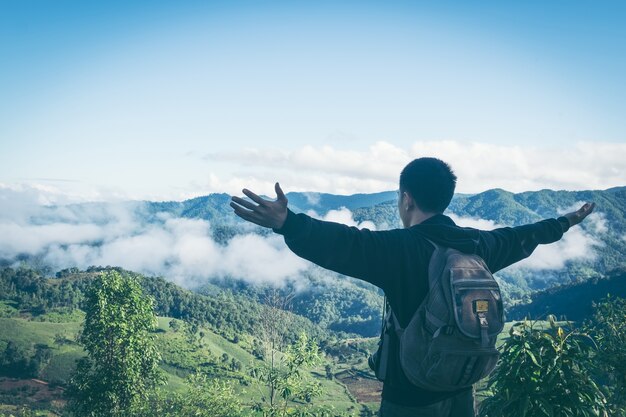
449,344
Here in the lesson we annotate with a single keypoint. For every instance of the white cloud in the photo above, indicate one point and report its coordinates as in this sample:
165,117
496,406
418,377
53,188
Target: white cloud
312,198
35,238
598,222
474,222
375,168
479,166
380,161
260,259
262,182
343,216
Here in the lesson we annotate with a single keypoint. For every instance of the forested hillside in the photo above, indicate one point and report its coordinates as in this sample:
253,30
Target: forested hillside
224,312
572,301
220,334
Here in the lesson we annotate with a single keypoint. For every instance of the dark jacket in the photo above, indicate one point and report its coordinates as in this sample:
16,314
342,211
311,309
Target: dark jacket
397,262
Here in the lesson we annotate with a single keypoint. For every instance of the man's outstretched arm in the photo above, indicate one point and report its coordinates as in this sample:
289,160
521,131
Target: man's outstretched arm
360,253
508,245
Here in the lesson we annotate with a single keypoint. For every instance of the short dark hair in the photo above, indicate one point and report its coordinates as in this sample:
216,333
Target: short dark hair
430,181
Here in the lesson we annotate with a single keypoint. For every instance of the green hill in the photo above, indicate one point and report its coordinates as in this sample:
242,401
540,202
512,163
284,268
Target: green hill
214,355
574,301
221,335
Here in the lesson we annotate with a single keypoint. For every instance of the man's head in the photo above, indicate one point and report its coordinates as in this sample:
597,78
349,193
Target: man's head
429,183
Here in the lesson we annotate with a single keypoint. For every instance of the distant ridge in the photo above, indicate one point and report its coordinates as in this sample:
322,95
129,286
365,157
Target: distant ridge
323,202
573,301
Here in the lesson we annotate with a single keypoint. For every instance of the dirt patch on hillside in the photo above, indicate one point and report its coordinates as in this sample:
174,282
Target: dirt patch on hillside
30,392
362,387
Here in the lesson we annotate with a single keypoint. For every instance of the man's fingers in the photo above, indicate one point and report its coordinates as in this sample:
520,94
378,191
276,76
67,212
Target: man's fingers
279,193
579,215
265,213
240,211
254,197
245,214
244,203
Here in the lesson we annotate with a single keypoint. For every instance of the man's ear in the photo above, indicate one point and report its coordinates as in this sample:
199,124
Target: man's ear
409,201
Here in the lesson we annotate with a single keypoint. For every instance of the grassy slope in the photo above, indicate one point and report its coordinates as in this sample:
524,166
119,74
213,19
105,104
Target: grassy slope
180,357
352,372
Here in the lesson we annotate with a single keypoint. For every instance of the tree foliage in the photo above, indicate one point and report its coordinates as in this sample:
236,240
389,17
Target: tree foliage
545,373
283,381
18,361
121,366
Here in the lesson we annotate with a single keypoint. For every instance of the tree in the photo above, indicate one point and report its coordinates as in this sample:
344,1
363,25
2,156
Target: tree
121,366
193,333
608,326
329,371
235,365
274,322
544,373
40,359
175,325
286,382
14,361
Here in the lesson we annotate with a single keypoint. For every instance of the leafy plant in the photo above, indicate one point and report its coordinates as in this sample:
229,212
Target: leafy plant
608,326
283,382
545,373
205,397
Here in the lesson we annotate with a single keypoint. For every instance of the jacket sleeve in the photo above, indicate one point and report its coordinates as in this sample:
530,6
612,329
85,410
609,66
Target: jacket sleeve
505,246
360,253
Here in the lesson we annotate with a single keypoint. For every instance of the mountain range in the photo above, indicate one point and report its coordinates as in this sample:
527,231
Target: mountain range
590,251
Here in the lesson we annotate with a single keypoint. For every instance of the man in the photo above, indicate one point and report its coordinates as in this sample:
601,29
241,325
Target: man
397,260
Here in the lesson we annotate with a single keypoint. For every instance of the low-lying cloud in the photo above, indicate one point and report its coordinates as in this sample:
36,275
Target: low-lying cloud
475,222
180,249
578,244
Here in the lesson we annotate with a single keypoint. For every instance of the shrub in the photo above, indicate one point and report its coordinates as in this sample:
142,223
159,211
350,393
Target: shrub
545,373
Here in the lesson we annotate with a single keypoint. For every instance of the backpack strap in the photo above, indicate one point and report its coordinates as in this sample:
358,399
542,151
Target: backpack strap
437,263
384,356
384,342
396,325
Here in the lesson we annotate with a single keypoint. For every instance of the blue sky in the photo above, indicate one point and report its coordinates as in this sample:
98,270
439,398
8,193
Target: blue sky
167,100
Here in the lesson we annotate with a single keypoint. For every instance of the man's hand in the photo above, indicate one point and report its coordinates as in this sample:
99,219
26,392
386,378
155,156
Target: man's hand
579,215
264,213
